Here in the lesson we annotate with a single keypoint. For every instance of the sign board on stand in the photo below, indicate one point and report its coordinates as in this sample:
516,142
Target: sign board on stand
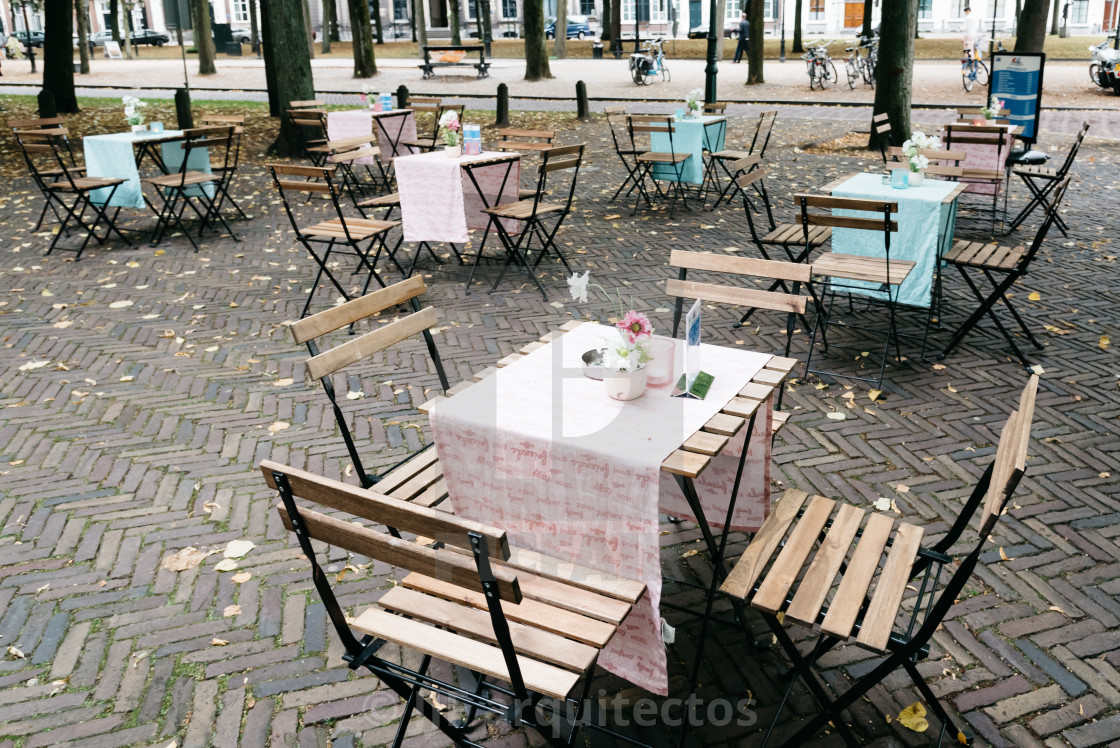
113,50
693,383
1017,80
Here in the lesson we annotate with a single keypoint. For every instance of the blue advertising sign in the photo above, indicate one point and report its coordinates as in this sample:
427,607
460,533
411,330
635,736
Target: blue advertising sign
1017,80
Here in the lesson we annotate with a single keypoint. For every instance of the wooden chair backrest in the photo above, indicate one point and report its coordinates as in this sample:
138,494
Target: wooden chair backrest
309,104
222,119
1011,456
36,124
562,157
1072,154
762,132
514,134
941,163
992,135
329,361
883,208
439,563
734,293
281,172
316,118
716,107
348,144
424,103
616,109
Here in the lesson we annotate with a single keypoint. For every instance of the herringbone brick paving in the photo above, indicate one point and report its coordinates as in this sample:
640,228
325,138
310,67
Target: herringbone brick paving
141,387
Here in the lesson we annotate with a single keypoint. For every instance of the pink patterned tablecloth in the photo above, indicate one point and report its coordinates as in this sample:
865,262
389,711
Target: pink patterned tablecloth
541,451
350,124
981,156
394,129
438,200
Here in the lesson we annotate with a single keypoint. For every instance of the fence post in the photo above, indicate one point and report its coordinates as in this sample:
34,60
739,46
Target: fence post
502,119
402,97
48,108
183,109
583,111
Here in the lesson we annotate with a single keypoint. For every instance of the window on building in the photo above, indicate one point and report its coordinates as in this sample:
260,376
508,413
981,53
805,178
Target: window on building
816,10
587,7
400,10
925,8
241,11
509,10
770,10
733,11
958,8
1079,11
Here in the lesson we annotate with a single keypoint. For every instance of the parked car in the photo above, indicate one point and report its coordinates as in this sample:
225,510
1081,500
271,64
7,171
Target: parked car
242,36
577,28
701,32
99,39
36,38
148,36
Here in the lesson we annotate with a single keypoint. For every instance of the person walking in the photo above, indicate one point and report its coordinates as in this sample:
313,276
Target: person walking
971,33
744,37
12,45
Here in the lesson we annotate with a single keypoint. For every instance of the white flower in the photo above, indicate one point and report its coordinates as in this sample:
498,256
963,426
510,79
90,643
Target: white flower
918,162
577,286
619,357
448,118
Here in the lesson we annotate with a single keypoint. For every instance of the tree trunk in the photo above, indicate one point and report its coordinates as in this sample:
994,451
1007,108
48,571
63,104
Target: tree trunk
721,11
310,32
114,20
254,31
420,23
797,48
616,21
334,21
1054,23
894,71
560,42
606,21
83,34
269,63
328,12
536,54
376,11
1018,14
453,8
286,53
365,65
866,31
58,54
757,49
127,40
1031,31
203,39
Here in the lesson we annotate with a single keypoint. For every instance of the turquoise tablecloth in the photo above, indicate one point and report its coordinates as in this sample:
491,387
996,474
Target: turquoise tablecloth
690,136
925,229
114,156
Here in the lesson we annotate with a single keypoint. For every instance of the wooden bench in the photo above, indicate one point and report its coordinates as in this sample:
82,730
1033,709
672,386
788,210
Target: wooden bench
429,66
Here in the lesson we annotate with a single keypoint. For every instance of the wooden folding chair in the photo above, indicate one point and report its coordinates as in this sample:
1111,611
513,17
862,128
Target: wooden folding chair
188,188
624,148
527,142
532,214
789,570
356,236
647,126
839,270
724,159
325,364
1043,180
311,126
436,107
345,152
716,108
528,633
55,129
1001,266
228,170
68,192
944,164
980,177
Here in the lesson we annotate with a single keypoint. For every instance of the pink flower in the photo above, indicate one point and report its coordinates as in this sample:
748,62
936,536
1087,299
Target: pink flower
635,326
362,97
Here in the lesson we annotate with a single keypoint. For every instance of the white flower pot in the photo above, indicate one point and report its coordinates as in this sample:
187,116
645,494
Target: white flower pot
453,151
917,178
139,128
625,385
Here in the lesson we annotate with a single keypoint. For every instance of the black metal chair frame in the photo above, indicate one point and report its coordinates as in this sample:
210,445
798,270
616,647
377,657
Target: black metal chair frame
1001,286
354,245
1039,194
998,140
676,190
176,198
626,155
30,127
764,128
228,171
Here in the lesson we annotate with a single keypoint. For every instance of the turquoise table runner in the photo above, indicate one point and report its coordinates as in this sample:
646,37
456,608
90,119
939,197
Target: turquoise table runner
114,156
925,229
690,136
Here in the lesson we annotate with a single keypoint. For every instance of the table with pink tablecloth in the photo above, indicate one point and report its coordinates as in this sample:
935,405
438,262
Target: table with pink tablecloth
439,202
394,128
541,451
350,124
984,156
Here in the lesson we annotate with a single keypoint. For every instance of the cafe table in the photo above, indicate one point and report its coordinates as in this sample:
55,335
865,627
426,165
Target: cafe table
926,220
691,135
119,155
536,447
351,123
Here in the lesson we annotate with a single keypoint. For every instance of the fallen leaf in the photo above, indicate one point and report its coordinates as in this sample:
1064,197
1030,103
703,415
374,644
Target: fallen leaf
1104,475
188,558
1034,296
902,488
226,564
283,382
33,365
837,416
231,610
238,548
1104,342
1059,610
215,642
882,504
15,654
241,577
210,506
689,554
355,395
914,717
120,304
874,394
1003,555
278,426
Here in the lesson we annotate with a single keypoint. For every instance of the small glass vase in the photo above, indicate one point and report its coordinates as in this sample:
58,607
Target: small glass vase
625,385
140,128
916,178
453,151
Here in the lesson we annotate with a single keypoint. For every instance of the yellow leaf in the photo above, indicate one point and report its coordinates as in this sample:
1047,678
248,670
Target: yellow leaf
218,642
231,610
902,488
278,426
962,738
914,717
1003,556
874,394
689,554
283,382
1034,296
1104,342
241,577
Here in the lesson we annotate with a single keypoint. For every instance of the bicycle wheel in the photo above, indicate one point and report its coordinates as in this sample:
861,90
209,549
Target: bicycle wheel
638,75
835,77
981,73
812,76
853,73
665,72
968,76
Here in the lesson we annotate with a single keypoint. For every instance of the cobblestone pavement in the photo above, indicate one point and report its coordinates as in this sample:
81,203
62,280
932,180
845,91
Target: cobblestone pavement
141,387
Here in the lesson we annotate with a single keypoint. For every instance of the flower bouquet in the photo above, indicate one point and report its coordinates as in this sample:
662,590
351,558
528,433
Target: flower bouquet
449,131
995,106
372,101
132,113
694,102
624,355
917,160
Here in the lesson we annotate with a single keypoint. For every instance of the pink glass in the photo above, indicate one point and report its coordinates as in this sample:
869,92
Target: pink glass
659,370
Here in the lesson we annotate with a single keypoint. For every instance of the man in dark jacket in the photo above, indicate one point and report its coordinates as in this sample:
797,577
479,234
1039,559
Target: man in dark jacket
744,37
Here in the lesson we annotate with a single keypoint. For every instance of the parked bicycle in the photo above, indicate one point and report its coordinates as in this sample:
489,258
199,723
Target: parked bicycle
973,68
649,63
821,68
858,66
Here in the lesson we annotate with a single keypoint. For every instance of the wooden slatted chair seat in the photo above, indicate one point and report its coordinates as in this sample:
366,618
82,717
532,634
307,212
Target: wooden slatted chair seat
984,255
359,228
792,233
664,158
523,209
60,172
85,183
731,154
180,179
1040,171
515,139
860,268
392,200
468,598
